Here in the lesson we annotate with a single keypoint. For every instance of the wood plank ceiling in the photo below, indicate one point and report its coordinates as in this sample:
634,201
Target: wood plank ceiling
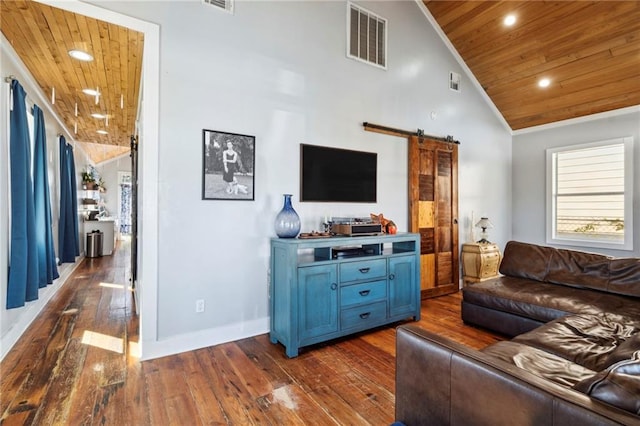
589,50
42,35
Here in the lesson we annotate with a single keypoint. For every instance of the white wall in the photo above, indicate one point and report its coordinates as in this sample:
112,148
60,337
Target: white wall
529,166
13,322
109,173
277,70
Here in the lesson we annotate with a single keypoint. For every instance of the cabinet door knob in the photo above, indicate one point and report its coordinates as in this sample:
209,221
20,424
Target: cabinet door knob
364,292
365,315
391,276
364,270
334,286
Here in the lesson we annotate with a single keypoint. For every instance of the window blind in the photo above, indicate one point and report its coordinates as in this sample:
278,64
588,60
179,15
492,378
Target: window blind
589,193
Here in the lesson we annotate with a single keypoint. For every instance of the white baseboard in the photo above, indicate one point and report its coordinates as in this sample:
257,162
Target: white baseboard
203,338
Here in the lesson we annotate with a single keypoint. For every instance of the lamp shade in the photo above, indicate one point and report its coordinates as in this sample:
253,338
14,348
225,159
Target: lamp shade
484,223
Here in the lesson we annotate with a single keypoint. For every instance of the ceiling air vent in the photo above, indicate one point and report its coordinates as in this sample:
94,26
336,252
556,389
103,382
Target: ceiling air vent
221,4
454,81
366,36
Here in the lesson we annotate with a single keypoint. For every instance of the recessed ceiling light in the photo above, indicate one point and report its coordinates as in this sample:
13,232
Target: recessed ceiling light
96,115
545,82
90,92
80,55
509,20
102,132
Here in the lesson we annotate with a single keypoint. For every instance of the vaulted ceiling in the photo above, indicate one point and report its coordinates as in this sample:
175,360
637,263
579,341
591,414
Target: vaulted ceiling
42,36
589,51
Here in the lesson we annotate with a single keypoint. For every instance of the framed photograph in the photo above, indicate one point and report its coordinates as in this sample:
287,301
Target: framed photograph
228,162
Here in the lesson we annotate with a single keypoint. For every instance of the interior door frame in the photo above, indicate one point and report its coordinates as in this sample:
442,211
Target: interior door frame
148,179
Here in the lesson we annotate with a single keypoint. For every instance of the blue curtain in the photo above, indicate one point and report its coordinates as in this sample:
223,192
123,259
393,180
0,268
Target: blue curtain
23,280
68,241
47,269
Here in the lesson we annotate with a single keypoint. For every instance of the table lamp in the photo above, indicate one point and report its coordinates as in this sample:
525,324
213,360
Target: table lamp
484,224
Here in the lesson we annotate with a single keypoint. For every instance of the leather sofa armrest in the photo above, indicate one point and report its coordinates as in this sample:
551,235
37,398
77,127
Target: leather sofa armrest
441,382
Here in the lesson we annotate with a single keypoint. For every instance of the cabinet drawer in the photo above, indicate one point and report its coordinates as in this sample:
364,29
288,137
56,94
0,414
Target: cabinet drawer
363,270
357,294
362,316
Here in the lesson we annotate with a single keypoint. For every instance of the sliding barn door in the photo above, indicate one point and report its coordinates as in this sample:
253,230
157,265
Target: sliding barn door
433,212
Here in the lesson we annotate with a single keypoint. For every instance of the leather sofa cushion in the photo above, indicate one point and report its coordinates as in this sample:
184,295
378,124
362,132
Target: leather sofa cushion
624,277
578,269
540,363
587,340
624,350
572,268
543,301
618,385
523,260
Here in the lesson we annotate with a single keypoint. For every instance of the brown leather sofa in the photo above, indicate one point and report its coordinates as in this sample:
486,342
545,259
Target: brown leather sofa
574,358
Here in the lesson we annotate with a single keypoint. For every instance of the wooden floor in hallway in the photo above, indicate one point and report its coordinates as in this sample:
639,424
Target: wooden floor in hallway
77,364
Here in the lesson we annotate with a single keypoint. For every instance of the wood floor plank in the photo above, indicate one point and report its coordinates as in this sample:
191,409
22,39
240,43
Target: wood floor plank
253,379
289,405
56,406
234,391
77,364
263,356
16,370
155,397
339,410
206,403
310,410
32,391
109,402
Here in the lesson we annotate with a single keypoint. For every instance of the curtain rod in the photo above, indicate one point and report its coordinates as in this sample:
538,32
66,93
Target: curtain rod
9,79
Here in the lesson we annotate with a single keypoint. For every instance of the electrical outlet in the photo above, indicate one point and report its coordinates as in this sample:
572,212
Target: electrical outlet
200,305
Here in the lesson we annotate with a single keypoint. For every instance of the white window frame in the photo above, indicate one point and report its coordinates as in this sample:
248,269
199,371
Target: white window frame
551,238
351,5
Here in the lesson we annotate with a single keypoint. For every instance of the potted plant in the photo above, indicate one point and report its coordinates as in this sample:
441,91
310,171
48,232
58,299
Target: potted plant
88,181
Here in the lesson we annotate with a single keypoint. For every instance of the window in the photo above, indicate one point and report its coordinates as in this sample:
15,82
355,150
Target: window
366,36
589,194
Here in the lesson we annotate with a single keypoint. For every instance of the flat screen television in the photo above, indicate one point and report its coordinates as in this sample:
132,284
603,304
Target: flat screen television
337,175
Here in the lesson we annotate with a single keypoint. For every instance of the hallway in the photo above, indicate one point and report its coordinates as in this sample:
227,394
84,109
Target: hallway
71,364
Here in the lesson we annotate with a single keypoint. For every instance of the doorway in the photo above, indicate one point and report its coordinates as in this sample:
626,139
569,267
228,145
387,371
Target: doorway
147,133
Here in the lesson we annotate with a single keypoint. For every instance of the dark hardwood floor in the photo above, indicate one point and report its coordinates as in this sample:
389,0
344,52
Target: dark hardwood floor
77,365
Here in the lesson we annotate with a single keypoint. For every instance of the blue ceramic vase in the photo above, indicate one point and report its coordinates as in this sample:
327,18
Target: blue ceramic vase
287,221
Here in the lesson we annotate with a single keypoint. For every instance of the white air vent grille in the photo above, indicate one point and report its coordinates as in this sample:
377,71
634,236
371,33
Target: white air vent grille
221,4
366,36
454,81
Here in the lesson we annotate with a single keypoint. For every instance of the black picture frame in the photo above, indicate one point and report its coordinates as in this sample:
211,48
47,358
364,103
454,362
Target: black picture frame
237,182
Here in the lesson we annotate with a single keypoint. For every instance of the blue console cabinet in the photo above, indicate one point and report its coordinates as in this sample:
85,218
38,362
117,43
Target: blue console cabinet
325,288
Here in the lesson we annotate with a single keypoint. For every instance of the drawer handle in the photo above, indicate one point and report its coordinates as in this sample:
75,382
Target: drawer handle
364,270
365,315
364,292
392,276
334,286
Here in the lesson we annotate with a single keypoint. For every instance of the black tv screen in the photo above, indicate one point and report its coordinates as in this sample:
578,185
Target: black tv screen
338,175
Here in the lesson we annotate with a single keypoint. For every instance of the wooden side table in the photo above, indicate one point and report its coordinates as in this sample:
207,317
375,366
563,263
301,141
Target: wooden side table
480,262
